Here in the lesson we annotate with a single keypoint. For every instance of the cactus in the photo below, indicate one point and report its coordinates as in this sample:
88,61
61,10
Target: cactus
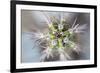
60,38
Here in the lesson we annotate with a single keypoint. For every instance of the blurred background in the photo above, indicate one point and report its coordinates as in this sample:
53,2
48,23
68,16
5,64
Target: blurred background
32,21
